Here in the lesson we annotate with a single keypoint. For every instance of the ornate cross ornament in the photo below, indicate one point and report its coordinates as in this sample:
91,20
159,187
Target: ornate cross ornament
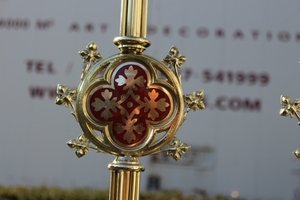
129,104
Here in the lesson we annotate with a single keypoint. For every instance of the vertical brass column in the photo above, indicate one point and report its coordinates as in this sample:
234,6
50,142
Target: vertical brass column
133,26
125,170
125,178
133,22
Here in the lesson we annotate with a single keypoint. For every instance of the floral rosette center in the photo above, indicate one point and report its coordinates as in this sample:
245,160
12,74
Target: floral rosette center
130,105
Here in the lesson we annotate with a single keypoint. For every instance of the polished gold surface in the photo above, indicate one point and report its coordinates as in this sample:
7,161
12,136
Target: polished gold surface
133,19
66,97
176,148
89,55
194,102
130,104
81,145
159,133
297,154
125,178
290,108
175,60
133,27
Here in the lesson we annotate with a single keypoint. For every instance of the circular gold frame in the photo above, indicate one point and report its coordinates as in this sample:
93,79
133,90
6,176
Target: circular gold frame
158,134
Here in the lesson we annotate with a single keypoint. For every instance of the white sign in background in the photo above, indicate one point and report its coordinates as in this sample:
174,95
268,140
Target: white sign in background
244,54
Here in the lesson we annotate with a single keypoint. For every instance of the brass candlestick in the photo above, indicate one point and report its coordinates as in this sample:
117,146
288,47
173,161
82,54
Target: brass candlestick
129,104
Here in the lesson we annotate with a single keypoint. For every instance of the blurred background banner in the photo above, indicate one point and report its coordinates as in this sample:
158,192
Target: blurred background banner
244,54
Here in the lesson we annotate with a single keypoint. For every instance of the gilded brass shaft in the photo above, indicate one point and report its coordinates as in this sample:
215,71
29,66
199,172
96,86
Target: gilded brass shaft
133,27
125,178
134,14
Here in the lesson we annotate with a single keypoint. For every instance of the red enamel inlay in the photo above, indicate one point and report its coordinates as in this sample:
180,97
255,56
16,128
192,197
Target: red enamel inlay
129,105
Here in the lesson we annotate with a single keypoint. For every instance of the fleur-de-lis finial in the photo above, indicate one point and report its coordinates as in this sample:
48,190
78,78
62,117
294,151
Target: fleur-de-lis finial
175,60
66,97
81,145
289,108
194,101
89,55
177,149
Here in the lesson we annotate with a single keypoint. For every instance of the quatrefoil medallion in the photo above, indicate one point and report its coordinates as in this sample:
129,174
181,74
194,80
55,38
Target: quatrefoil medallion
130,104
